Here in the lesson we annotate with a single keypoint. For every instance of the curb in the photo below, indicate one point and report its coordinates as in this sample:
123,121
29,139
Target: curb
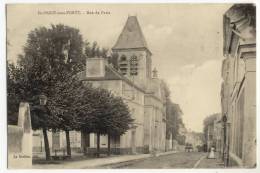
132,159
96,163
198,162
114,163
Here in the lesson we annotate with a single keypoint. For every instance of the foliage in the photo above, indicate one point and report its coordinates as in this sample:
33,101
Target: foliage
13,93
113,59
109,114
173,115
50,64
50,55
67,102
174,118
208,121
93,50
80,106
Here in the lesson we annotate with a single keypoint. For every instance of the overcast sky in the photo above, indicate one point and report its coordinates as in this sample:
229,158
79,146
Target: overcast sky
185,39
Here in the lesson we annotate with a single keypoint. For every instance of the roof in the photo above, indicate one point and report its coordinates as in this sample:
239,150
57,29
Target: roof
240,11
236,19
110,74
131,36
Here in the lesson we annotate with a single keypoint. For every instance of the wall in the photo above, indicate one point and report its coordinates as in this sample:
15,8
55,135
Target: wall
155,129
144,64
249,145
19,140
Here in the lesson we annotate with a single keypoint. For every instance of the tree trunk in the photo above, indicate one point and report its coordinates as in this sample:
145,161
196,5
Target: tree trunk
46,144
83,142
68,142
172,140
98,144
172,144
108,144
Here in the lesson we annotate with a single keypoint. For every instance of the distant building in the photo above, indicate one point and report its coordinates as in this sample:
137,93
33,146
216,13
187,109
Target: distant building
140,88
213,132
195,139
238,94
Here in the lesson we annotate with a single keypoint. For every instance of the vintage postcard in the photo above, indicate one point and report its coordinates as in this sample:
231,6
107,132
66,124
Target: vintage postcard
131,86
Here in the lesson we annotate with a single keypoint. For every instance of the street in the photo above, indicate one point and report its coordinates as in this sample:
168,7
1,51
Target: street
176,160
168,160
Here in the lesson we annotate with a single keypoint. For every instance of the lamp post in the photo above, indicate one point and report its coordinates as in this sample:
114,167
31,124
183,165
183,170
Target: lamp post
225,144
42,99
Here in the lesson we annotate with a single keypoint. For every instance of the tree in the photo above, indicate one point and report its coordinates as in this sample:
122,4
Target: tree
108,115
173,119
93,50
209,120
113,59
49,55
40,117
118,119
63,104
52,58
87,109
13,98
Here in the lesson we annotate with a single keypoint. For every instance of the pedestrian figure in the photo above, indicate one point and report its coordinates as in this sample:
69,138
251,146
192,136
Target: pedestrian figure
211,153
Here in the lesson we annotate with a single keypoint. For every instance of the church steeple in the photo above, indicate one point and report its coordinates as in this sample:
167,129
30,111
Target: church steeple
134,57
131,36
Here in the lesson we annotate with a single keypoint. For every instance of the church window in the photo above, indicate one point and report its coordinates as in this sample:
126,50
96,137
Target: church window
123,65
123,58
133,66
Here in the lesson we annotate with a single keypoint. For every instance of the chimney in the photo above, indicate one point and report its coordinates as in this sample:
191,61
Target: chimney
95,67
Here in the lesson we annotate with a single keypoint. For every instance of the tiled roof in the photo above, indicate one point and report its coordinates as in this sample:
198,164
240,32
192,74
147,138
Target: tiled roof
131,36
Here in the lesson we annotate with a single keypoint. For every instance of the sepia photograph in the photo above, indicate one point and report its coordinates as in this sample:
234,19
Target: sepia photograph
131,85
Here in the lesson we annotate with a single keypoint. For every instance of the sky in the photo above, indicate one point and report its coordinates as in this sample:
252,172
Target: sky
186,41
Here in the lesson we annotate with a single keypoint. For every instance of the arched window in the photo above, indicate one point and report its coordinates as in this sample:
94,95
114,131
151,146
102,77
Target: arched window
134,65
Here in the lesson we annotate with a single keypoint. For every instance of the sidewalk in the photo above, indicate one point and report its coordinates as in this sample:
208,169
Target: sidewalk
204,162
97,162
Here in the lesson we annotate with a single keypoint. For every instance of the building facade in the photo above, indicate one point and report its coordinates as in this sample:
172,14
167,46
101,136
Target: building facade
238,94
137,85
195,139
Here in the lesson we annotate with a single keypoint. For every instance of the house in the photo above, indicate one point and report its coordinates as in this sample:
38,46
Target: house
238,94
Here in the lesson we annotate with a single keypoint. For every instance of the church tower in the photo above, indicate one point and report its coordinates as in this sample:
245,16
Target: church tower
134,57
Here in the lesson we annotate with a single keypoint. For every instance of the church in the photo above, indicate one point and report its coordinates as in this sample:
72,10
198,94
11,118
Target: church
140,88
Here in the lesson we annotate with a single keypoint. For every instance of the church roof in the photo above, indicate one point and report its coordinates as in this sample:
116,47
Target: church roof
110,74
131,36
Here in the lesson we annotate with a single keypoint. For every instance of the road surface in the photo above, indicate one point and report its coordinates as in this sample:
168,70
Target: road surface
176,160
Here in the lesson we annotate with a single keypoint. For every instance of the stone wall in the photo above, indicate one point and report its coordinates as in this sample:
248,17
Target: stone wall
20,140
